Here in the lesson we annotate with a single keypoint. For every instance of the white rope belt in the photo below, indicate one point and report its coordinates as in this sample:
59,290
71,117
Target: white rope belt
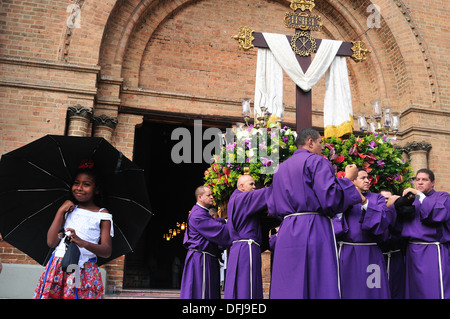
300,214
334,239
441,281
342,243
203,252
204,268
389,255
250,242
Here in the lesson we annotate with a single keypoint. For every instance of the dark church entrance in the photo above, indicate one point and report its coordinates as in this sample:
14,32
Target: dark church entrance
158,262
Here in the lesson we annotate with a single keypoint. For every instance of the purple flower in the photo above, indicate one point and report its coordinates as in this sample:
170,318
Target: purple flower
372,144
285,139
230,146
266,162
380,163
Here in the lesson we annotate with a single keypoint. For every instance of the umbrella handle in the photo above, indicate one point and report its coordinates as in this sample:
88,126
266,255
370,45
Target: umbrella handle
61,233
119,163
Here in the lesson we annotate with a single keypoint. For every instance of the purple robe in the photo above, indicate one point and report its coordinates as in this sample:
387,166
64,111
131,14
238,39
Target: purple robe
272,241
393,252
361,261
429,237
201,273
244,278
305,258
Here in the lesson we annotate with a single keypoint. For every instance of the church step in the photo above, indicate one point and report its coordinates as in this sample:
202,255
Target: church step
145,294
152,294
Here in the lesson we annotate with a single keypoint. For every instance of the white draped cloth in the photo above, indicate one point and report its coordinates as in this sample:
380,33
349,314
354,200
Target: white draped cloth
338,113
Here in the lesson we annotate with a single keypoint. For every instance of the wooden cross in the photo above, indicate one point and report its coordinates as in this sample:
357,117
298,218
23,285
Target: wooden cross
303,22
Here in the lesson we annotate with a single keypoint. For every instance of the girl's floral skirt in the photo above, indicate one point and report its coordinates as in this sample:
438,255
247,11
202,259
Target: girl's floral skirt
54,283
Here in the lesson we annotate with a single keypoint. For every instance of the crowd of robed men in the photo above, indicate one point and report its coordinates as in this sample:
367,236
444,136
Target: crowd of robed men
336,239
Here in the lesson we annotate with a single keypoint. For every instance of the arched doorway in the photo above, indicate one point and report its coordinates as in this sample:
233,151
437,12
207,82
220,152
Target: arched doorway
158,262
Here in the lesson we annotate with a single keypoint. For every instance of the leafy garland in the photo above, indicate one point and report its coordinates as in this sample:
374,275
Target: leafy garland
382,161
221,177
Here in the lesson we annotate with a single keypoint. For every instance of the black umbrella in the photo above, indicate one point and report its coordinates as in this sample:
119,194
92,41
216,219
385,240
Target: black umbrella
37,178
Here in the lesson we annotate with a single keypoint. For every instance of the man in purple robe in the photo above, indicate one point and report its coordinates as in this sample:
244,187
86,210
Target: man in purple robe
204,234
244,278
305,195
361,261
428,233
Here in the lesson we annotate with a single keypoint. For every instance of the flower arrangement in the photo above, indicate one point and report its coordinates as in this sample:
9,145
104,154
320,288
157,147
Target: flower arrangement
252,152
382,161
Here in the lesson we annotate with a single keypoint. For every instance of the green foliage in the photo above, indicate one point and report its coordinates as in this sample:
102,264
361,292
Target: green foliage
382,161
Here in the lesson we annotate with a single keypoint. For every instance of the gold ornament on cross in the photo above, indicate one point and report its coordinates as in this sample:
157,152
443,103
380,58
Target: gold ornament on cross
360,51
304,38
302,5
245,38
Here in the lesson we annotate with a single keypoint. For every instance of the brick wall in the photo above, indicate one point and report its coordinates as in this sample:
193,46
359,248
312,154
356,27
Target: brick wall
130,58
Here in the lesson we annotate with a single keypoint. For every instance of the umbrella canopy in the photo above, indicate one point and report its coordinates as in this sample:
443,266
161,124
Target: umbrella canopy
37,178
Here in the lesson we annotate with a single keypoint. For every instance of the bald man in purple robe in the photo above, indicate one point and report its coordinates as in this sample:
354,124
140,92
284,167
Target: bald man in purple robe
204,238
305,195
244,278
428,234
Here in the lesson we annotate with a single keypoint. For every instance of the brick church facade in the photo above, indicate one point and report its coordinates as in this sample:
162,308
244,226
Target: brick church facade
108,68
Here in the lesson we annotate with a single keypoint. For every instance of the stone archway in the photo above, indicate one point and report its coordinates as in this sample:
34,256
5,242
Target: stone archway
139,36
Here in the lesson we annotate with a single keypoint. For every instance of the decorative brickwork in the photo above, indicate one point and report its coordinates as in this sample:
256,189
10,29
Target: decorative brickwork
79,120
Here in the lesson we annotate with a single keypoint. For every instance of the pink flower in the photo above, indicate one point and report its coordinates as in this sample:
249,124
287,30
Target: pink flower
367,167
362,155
353,150
266,162
371,158
339,159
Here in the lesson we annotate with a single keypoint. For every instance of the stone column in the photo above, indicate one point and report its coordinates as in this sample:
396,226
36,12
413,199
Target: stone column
79,118
104,126
418,154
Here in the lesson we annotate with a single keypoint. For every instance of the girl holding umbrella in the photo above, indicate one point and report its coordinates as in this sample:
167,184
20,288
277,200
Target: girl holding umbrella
88,226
